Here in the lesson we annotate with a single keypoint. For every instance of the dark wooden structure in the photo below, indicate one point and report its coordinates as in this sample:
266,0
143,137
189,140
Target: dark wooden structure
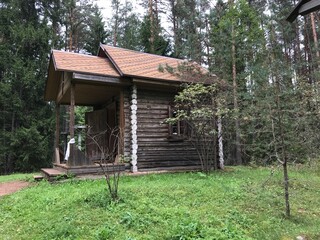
125,90
304,7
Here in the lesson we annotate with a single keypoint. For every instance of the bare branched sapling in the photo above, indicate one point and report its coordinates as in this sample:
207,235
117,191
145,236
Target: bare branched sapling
106,150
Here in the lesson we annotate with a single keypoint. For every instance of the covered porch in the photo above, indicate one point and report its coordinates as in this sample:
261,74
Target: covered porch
102,136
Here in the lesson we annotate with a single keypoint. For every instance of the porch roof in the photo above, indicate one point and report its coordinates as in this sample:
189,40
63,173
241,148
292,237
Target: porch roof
61,61
81,63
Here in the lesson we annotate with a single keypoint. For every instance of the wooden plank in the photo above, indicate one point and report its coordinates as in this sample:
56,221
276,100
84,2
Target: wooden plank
171,168
98,123
37,177
153,164
170,151
65,84
72,109
121,123
157,83
57,135
127,123
100,79
88,169
172,160
169,162
154,130
309,7
72,159
52,174
302,8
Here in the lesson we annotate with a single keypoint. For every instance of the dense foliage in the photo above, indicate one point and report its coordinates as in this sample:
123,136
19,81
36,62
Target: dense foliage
272,66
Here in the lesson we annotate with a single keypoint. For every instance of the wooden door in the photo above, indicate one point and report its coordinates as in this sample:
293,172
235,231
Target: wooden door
96,139
102,134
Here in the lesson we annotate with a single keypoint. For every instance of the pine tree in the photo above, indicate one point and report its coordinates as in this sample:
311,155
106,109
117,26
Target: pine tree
25,132
76,18
159,45
151,32
188,23
96,31
236,41
125,26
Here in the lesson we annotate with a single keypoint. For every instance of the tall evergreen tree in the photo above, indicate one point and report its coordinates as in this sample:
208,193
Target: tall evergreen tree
151,32
125,26
159,45
237,44
25,118
78,16
96,32
188,20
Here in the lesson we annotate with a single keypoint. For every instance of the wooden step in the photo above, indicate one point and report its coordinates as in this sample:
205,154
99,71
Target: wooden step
37,177
52,174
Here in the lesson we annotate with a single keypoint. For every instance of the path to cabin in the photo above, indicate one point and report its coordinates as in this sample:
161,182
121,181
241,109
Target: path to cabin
12,187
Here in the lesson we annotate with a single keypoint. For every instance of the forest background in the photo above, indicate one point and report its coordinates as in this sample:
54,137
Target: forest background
272,67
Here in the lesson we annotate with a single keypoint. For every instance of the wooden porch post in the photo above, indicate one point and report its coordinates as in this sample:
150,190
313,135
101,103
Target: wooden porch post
121,124
71,160
57,135
72,103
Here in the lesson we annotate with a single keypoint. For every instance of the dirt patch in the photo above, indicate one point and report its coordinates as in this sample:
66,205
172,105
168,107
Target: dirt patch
11,187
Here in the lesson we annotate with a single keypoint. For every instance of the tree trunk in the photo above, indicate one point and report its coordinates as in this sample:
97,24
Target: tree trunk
207,42
116,23
284,159
235,97
115,32
152,27
175,28
70,31
286,187
220,141
315,37
308,55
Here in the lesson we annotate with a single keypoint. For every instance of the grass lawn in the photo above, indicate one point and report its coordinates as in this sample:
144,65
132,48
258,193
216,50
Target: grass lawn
240,203
17,176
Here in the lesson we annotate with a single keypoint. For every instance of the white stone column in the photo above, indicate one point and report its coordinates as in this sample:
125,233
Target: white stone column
220,140
134,139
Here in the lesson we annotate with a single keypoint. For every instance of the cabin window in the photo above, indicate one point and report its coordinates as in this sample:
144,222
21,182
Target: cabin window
178,130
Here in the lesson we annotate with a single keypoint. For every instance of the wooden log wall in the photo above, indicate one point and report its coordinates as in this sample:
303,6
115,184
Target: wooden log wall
155,150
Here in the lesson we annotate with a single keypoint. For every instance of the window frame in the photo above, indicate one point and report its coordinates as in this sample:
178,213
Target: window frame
181,132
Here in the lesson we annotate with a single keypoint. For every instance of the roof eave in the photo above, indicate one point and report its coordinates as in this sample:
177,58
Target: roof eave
303,7
50,65
295,12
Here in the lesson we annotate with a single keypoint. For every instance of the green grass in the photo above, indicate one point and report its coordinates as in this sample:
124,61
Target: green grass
17,176
241,203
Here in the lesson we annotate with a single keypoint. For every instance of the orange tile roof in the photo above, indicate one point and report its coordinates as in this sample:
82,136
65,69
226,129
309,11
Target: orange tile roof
138,64
81,63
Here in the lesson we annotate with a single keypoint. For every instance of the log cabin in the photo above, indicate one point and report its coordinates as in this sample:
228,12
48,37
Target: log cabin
124,89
